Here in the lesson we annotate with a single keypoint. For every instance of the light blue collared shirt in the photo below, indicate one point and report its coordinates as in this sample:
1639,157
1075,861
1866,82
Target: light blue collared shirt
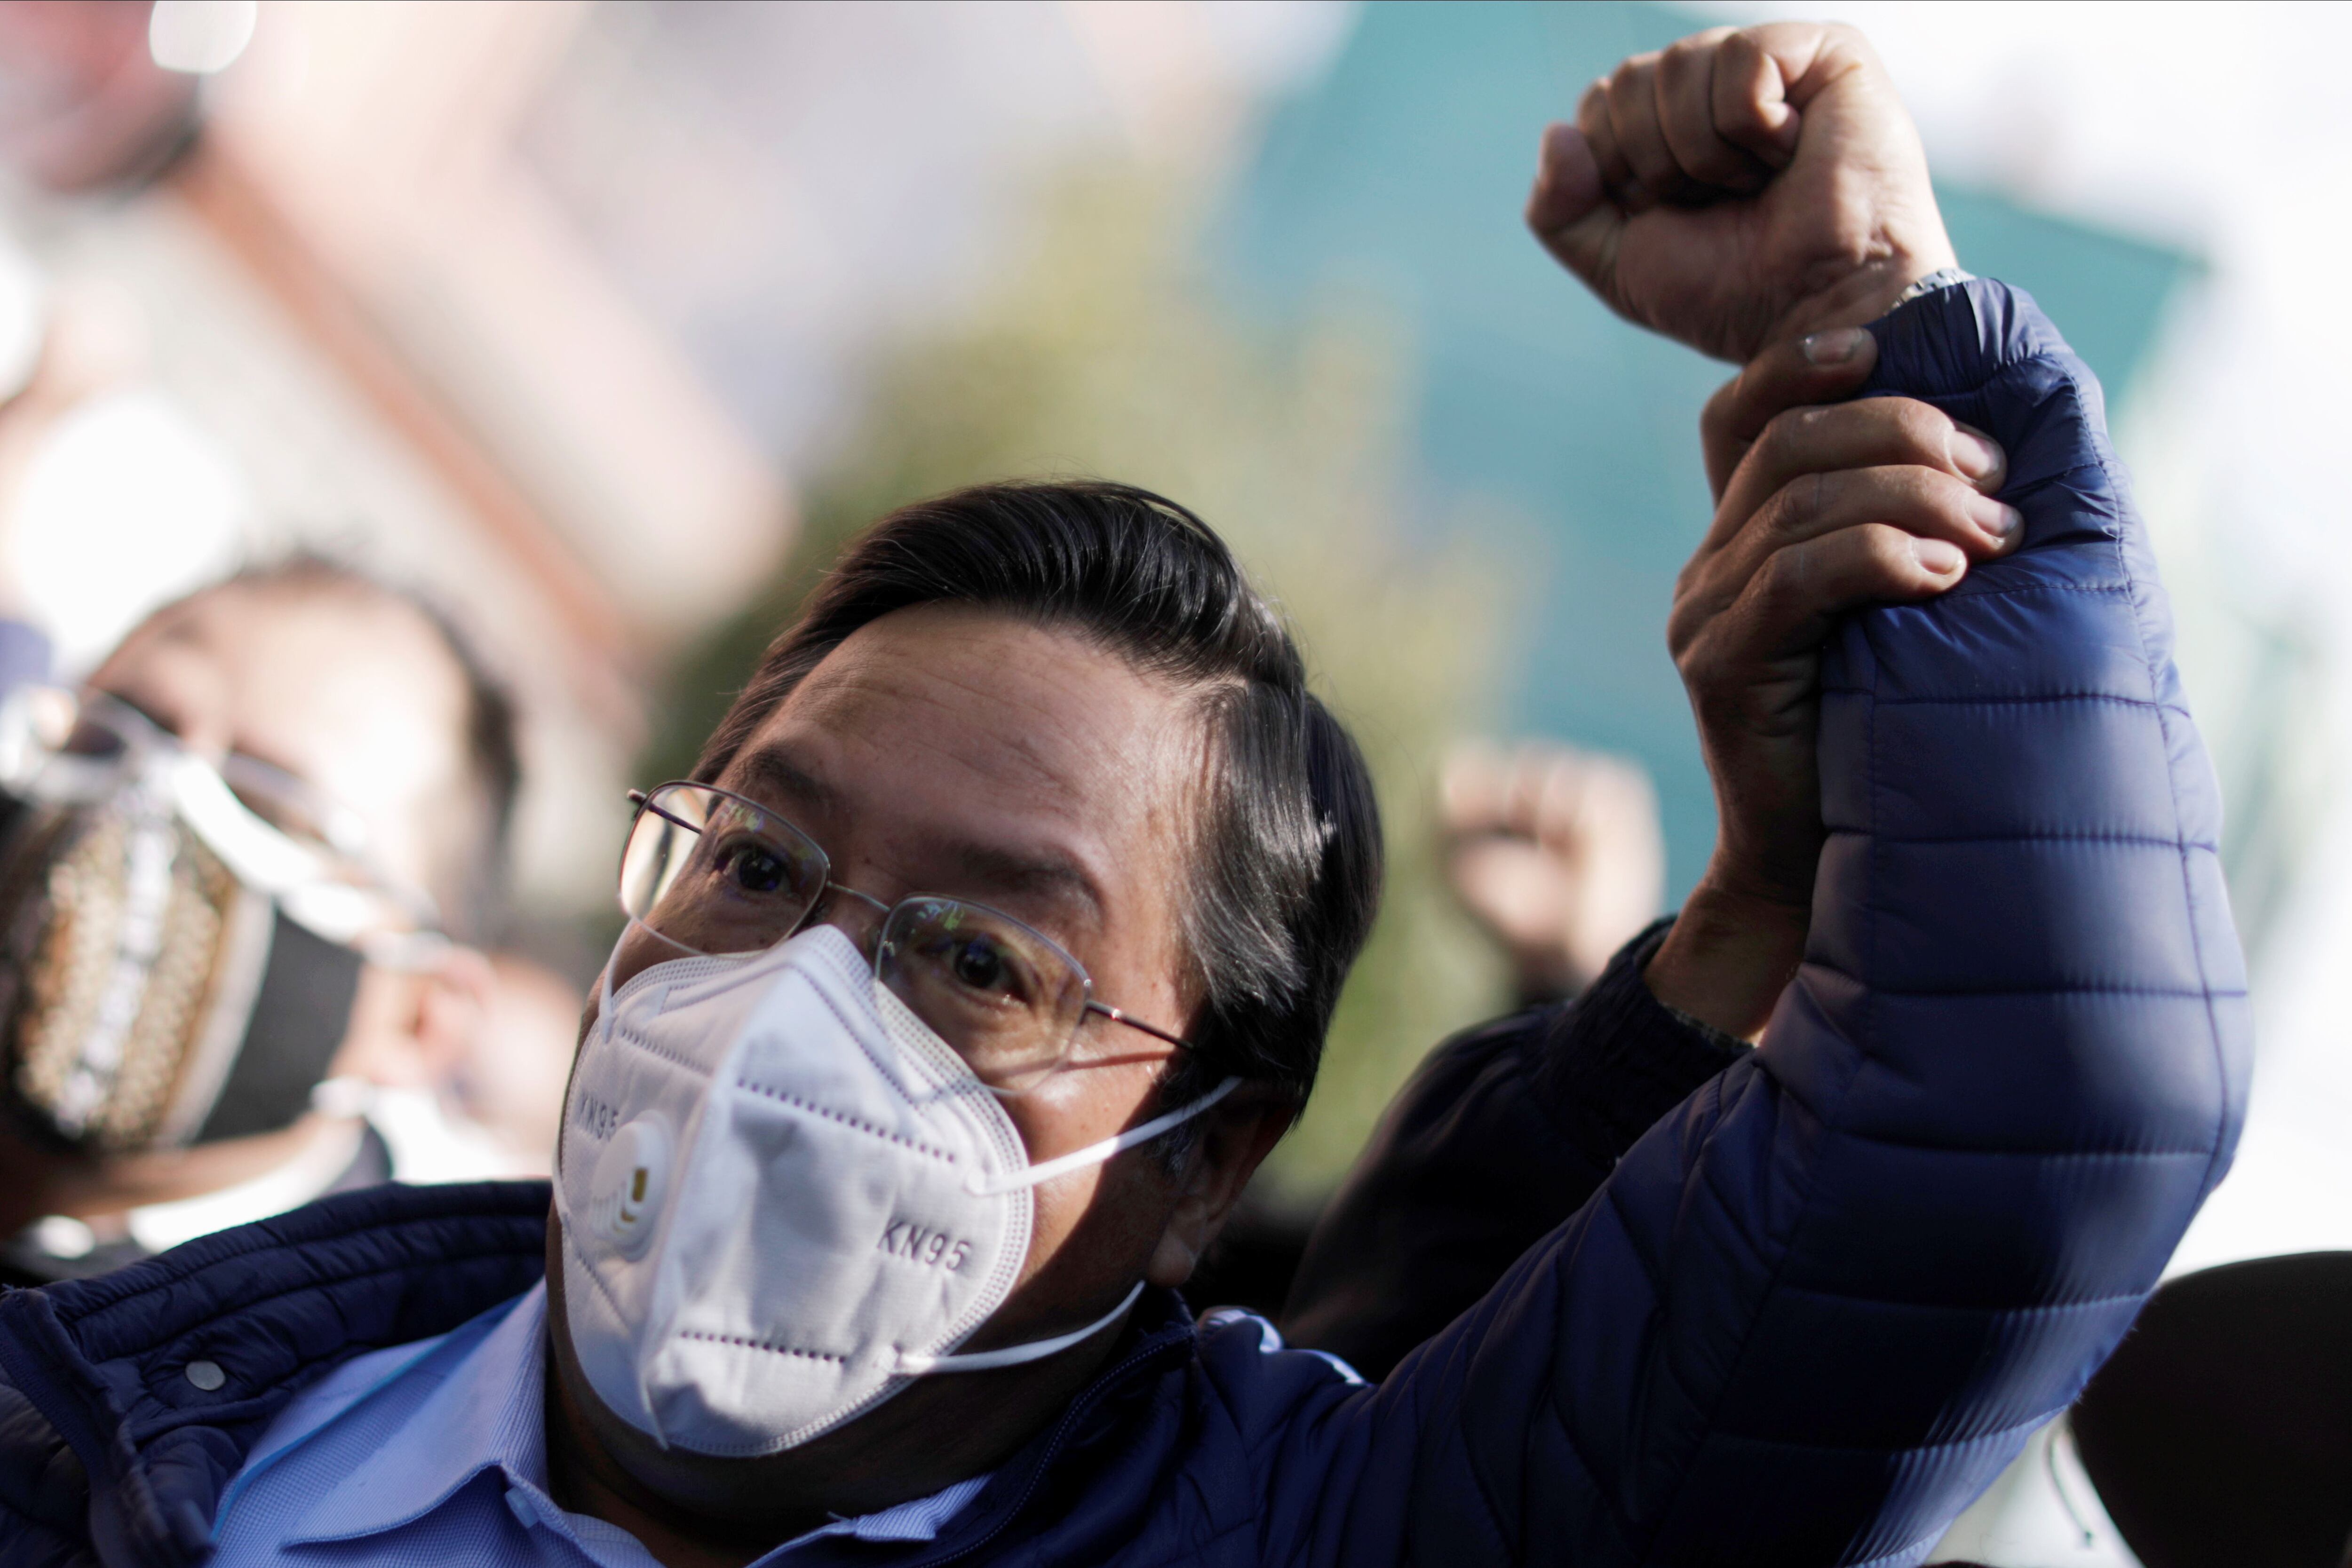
436,1451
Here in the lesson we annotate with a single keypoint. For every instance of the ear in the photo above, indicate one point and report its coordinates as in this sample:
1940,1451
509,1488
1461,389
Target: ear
1236,1135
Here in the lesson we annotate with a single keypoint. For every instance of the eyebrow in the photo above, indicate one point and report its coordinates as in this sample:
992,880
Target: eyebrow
767,775
1042,873
1048,876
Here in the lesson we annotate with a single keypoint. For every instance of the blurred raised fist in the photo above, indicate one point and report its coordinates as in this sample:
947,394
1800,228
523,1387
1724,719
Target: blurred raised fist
1741,187
1555,853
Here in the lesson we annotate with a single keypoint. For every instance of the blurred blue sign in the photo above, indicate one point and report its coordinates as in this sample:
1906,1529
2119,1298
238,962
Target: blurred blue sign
1400,177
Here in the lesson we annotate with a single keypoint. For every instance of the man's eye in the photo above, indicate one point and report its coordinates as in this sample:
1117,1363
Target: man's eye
979,965
754,869
91,739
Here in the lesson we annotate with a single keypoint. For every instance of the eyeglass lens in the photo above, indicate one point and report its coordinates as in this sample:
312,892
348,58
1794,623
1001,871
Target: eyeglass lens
108,739
716,875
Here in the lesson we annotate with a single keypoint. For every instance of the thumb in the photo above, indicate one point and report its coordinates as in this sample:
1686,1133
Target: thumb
1570,212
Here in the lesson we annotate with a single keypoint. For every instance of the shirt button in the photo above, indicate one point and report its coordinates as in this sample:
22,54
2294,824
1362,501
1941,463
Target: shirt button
206,1374
524,1507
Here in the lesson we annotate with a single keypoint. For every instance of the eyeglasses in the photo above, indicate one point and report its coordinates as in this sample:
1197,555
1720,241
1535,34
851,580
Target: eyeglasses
711,871
273,830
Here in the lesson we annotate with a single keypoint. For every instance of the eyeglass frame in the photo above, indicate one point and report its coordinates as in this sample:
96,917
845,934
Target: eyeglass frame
643,800
344,833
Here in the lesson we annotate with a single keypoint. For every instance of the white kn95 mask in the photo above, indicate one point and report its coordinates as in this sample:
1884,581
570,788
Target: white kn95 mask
783,1198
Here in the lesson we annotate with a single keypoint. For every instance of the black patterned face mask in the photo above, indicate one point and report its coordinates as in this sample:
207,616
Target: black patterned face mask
179,953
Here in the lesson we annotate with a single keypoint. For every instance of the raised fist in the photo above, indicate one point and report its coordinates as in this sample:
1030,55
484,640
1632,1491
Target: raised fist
1555,853
1742,187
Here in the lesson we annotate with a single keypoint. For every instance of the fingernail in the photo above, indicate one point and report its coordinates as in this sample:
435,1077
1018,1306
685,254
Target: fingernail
1835,347
1938,556
2002,522
1977,456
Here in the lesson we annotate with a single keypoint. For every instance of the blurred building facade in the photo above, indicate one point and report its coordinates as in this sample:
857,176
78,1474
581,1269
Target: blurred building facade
538,306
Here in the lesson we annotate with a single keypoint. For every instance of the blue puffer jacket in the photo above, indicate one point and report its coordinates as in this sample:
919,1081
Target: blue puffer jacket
1809,1314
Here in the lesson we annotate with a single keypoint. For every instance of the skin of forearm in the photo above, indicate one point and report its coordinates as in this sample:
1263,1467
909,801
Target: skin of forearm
1728,957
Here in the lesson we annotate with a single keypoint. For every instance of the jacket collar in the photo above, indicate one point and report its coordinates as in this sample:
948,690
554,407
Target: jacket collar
119,1364
1160,1336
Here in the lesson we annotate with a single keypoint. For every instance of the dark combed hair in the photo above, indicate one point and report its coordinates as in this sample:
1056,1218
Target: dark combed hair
477,890
1286,846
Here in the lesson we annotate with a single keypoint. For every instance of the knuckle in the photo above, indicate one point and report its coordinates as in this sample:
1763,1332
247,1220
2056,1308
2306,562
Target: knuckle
1931,489
1785,513
1685,56
1783,576
1907,492
1828,486
1884,548
1786,434
1698,656
1924,428
1716,418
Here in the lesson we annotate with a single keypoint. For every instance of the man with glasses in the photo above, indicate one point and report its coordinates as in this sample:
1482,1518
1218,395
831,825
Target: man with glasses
991,946
229,865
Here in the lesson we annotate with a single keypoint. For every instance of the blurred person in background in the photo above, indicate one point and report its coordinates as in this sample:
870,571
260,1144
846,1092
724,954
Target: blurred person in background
1556,855
237,869
858,1250
511,1083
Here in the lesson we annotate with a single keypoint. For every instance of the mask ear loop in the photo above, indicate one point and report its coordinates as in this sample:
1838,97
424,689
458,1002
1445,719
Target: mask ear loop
979,1185
605,991
911,1364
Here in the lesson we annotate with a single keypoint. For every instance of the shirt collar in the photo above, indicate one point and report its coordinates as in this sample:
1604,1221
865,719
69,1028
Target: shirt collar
489,1412
486,1413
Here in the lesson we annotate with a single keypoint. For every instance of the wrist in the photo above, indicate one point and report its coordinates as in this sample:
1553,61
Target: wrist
1728,956
1868,292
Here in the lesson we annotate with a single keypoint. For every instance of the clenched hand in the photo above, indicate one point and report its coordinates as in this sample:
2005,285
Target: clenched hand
1819,510
1742,188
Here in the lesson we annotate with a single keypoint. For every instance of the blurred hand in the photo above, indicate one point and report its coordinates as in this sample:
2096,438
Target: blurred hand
1742,187
1555,852
1819,510
511,1084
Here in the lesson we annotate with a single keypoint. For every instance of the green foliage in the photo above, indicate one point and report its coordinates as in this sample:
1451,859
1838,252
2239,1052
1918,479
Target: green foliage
1105,355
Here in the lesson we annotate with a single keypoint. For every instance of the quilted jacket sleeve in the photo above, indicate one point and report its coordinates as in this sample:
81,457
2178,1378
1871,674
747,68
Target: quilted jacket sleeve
1818,1306
1504,1131
44,1490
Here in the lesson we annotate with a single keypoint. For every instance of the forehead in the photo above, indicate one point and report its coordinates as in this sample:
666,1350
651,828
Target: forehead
948,737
